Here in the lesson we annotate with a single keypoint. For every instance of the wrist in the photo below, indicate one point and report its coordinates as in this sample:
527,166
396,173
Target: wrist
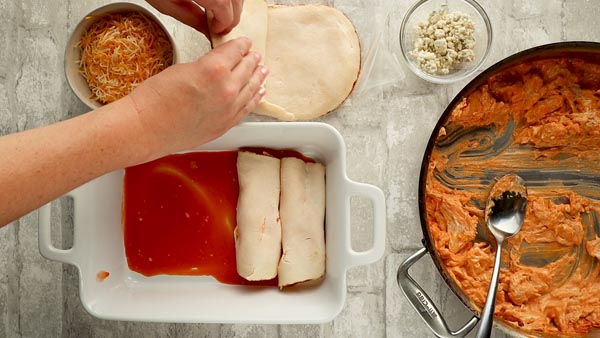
121,132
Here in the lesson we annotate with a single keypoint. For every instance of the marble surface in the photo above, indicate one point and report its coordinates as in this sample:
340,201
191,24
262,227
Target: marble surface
385,127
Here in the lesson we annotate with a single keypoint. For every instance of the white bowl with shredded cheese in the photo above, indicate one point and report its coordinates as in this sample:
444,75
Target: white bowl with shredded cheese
445,41
113,49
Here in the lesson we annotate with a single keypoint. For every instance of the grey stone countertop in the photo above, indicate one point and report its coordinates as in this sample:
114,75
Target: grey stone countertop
386,129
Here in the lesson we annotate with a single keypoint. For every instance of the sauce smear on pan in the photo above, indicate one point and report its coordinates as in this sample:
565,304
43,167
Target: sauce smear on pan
179,213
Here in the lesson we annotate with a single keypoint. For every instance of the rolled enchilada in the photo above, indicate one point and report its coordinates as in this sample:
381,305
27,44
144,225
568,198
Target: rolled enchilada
302,212
258,231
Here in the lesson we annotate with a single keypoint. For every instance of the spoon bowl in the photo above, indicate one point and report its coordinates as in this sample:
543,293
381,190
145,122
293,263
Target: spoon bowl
504,213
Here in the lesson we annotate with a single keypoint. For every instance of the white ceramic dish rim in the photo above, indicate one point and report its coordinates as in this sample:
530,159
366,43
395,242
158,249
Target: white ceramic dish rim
126,295
72,54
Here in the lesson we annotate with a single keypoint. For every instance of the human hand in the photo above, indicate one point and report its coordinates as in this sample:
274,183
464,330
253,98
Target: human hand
190,104
225,13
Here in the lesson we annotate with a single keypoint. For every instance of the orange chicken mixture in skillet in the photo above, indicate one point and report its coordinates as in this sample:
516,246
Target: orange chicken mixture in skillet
541,120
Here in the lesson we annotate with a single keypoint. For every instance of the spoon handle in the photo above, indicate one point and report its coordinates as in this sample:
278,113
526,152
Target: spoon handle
487,315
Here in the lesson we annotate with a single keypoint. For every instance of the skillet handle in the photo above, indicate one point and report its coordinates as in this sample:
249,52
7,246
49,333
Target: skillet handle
421,302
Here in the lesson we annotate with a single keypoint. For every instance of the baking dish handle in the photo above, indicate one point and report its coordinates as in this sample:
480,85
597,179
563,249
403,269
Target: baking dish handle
45,239
421,302
378,199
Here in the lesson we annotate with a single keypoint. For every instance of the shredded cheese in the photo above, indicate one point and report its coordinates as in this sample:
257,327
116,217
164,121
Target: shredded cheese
120,51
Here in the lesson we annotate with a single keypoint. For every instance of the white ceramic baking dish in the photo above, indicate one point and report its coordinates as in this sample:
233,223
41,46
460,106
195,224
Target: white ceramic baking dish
127,295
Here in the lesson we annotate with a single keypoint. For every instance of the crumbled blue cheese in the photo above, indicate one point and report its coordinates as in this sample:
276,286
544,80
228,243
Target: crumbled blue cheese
444,41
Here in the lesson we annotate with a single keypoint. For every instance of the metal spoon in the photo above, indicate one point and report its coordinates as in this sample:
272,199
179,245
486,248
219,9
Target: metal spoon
504,213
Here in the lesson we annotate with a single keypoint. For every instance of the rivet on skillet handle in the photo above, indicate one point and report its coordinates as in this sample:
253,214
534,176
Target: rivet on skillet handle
423,304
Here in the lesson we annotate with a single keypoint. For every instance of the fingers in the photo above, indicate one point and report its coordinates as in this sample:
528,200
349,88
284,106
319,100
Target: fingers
237,13
239,74
250,105
244,69
225,14
188,12
192,15
253,84
253,90
222,13
232,52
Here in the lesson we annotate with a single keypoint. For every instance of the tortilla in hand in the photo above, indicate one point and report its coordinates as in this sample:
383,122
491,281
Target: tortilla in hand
312,52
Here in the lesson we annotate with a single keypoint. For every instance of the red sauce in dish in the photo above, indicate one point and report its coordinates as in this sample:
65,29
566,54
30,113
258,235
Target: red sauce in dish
179,213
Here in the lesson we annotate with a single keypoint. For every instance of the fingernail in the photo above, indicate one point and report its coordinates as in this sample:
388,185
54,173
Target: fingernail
257,56
264,70
262,91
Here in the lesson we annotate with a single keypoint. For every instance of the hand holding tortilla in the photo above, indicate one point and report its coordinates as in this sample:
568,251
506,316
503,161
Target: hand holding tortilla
194,13
312,51
204,106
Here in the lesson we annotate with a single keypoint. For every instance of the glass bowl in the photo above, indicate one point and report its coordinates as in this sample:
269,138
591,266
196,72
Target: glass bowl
420,12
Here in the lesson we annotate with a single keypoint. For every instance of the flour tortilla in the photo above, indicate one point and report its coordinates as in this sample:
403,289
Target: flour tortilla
302,212
313,54
258,230
253,24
